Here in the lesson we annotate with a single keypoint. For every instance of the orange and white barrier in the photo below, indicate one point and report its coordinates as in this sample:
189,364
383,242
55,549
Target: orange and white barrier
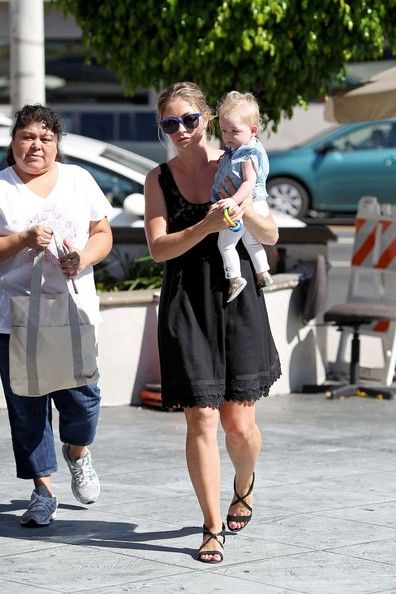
373,279
387,248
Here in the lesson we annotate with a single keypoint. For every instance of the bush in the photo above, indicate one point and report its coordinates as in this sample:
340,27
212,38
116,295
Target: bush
141,273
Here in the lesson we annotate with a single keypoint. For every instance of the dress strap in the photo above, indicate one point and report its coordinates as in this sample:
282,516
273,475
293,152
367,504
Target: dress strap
166,179
168,185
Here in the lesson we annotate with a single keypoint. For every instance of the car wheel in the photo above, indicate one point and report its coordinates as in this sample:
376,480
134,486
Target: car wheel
287,195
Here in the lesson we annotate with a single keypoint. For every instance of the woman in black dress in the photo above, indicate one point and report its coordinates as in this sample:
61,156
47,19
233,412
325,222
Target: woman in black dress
217,358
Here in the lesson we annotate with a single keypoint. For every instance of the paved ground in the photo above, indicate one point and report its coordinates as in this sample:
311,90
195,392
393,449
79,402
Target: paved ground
324,515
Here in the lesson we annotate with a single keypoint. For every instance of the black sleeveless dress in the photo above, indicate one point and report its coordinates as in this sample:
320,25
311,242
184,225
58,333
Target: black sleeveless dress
210,350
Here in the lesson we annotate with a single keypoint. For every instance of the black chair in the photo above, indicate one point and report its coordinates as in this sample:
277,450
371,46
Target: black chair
353,314
370,307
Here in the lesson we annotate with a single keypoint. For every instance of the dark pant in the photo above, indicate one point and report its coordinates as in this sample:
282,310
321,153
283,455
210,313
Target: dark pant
31,421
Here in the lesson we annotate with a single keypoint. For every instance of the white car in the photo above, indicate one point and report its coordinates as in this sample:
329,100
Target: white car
119,173
5,120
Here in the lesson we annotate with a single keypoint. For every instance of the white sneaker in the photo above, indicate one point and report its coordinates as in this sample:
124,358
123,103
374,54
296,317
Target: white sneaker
41,509
236,286
85,484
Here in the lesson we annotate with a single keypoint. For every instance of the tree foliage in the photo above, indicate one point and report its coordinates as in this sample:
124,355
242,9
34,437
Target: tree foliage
284,51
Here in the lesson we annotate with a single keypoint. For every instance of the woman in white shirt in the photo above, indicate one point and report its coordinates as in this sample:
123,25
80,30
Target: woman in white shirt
39,198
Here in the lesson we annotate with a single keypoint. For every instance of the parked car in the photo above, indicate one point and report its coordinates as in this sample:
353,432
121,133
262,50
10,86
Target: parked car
5,120
119,172
332,171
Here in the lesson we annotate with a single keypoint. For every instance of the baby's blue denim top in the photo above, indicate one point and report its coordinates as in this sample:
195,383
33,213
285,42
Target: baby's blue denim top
230,165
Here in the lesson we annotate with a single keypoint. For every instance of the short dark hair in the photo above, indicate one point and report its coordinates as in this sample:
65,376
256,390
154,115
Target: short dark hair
31,114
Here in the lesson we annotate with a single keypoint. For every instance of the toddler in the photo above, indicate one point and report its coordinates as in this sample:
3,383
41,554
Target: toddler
245,163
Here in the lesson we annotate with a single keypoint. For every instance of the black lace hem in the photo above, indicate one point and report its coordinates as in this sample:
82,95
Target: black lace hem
243,390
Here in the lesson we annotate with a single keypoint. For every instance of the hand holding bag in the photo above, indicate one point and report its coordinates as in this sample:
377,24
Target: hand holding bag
53,342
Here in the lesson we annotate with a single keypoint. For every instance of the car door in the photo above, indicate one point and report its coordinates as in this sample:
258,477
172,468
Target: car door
357,163
115,186
3,157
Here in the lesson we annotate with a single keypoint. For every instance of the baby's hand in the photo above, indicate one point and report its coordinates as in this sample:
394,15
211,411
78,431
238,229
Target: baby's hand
227,203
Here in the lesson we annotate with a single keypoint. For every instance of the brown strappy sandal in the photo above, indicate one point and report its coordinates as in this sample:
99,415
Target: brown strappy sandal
215,536
239,499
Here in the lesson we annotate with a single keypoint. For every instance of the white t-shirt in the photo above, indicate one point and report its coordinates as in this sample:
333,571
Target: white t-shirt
75,201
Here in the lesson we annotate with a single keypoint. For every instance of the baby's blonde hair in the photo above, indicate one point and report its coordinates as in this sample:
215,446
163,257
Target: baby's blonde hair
245,105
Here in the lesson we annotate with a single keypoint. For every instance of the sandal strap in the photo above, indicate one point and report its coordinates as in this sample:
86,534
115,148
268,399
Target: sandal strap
215,536
245,519
202,553
241,498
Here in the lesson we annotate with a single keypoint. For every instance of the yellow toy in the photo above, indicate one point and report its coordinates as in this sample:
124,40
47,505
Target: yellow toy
232,225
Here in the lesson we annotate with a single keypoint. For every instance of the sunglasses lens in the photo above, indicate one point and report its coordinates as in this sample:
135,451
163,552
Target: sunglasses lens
191,121
170,126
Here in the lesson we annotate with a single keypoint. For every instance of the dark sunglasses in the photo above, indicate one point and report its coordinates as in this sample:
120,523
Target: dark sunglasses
189,121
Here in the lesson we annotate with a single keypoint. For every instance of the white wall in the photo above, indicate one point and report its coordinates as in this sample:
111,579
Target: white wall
304,124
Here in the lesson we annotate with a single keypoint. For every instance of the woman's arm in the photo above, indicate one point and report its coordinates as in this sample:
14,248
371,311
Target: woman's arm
38,237
97,248
163,245
263,228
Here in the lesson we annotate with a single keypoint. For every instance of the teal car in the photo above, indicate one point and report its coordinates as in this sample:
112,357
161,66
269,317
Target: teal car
332,171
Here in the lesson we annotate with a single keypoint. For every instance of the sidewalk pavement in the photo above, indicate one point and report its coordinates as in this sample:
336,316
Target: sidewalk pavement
324,519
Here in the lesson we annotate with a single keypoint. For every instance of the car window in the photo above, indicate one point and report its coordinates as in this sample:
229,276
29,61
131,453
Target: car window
3,156
128,159
376,135
391,140
116,187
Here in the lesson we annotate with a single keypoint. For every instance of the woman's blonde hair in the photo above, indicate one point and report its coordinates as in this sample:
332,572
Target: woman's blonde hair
188,91
245,105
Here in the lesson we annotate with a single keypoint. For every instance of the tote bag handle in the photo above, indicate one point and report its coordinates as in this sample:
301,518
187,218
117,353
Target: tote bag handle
34,324
61,252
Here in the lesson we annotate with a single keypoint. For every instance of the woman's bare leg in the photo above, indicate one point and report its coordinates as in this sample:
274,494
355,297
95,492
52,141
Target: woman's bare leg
203,461
243,442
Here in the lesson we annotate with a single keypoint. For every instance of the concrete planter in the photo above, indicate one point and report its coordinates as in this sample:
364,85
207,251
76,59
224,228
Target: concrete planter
128,352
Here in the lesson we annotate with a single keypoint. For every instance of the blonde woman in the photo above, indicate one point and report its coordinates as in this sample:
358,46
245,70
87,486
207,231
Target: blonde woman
217,358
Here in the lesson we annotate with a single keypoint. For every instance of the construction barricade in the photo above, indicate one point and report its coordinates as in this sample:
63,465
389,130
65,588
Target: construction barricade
373,278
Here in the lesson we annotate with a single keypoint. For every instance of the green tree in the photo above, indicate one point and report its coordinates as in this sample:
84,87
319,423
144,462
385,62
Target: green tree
285,51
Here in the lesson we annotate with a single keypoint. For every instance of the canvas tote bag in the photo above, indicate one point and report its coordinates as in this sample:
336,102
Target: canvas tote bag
53,343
